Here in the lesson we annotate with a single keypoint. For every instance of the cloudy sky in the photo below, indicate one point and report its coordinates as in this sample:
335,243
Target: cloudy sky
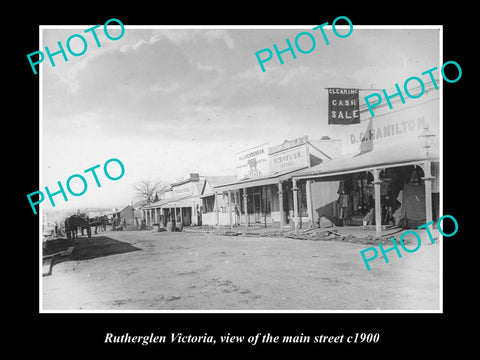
171,101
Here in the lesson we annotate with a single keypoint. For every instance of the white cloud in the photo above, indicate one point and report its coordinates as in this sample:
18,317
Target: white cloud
190,35
168,89
157,96
283,75
139,43
213,35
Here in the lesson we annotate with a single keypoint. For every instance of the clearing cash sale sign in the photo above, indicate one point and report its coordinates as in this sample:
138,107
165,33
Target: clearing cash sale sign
343,106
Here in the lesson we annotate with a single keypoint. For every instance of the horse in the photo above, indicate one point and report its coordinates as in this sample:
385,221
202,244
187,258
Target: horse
100,222
72,224
71,228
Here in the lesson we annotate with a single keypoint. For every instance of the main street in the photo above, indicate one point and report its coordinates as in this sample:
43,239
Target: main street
143,270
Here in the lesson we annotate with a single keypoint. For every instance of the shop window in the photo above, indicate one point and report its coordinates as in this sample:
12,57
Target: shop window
209,204
250,200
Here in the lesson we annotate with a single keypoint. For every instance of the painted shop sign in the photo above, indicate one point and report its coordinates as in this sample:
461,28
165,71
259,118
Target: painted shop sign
183,190
391,129
343,106
398,128
253,163
287,144
291,159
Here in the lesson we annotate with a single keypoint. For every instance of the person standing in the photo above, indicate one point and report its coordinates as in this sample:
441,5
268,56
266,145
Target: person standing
237,215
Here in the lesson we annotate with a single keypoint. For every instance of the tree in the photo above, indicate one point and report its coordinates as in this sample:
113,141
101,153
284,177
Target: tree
146,189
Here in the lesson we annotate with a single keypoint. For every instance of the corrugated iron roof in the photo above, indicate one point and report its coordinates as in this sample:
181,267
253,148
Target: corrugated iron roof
369,160
259,181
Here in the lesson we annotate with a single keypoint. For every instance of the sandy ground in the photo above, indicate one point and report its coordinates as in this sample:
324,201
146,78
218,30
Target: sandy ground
142,270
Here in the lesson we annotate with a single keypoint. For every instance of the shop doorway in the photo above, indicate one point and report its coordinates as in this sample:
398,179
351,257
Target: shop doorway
187,216
350,199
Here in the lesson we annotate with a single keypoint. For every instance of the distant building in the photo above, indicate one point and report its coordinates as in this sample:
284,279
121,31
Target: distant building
211,201
180,203
124,216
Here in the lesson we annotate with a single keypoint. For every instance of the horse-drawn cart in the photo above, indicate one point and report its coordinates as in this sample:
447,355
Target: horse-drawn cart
83,222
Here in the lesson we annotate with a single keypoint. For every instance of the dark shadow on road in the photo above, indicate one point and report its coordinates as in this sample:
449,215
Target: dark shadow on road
87,248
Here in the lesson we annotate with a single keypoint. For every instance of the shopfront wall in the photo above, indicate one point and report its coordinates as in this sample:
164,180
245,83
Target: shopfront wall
393,128
324,195
407,134
259,171
347,199
209,209
290,159
253,163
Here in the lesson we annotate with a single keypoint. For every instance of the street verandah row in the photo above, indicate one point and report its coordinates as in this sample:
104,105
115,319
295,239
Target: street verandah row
384,171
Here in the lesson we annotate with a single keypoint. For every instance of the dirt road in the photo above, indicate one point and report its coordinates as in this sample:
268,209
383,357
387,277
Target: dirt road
141,270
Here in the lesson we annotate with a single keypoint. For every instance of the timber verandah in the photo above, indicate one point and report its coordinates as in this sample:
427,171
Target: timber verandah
283,202
267,201
291,206
180,209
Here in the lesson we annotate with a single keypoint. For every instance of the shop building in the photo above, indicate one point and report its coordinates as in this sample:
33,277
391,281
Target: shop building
215,207
384,170
124,216
261,193
179,204
188,202
388,174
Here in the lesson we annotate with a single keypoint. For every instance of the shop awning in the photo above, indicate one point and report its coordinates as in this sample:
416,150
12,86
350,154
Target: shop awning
185,201
156,204
367,161
260,181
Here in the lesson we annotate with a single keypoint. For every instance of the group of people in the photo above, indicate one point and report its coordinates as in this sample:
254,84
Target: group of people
389,208
351,203
119,224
